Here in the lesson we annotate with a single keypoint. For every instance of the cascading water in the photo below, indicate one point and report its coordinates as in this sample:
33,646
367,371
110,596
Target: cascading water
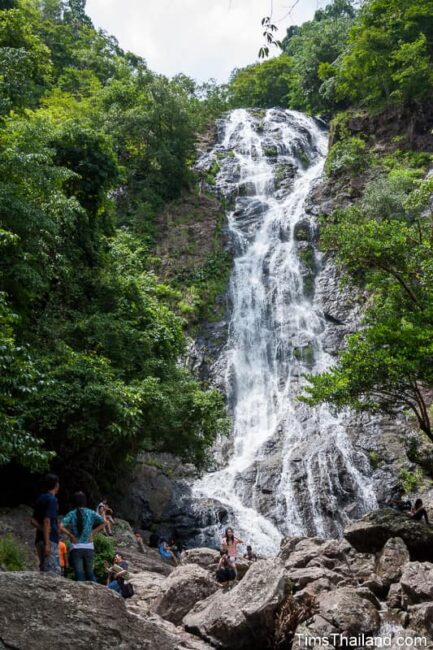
292,469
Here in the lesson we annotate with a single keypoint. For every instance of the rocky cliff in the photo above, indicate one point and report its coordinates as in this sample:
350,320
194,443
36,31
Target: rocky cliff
160,491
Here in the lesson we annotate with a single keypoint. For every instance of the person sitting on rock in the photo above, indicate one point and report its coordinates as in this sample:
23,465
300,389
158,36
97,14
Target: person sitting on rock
398,502
154,540
117,573
226,573
249,555
230,543
166,553
176,547
106,512
418,511
140,541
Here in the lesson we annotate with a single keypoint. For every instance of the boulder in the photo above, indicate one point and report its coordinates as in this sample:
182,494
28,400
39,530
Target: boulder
16,522
304,550
370,534
287,546
148,587
302,577
41,611
349,611
410,638
316,627
394,599
242,618
391,561
361,565
182,589
421,617
150,561
207,558
417,582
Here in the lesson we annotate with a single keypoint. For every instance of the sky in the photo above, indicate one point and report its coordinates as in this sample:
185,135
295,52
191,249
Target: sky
201,38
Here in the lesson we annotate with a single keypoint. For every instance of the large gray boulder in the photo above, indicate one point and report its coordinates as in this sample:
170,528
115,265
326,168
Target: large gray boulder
421,617
391,561
352,612
242,618
370,534
182,589
40,611
207,558
417,582
148,587
302,577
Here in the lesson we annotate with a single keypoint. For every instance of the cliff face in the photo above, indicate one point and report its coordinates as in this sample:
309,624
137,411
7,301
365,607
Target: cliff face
381,441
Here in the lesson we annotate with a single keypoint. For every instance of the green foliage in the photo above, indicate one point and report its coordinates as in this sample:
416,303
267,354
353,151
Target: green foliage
314,50
385,244
104,552
262,85
92,144
389,53
374,459
12,555
348,156
25,65
410,480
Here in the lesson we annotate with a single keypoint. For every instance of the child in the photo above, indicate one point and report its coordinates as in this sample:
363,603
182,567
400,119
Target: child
225,572
63,558
249,555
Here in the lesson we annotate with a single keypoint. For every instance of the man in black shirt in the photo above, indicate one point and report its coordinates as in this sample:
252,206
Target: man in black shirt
45,516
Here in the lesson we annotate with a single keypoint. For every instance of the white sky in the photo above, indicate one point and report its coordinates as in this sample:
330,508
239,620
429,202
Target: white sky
201,38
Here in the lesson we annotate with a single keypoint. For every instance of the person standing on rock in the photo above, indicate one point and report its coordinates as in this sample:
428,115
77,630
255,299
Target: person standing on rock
230,543
81,525
45,520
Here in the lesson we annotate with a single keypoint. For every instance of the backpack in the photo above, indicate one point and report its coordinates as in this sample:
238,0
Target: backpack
127,590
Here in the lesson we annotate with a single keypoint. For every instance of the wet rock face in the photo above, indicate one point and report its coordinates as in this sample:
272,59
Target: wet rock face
287,476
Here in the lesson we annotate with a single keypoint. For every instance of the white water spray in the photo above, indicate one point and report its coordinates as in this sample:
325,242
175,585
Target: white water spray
276,336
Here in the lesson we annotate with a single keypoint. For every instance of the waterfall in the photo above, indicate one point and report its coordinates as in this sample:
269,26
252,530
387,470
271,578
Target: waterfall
291,469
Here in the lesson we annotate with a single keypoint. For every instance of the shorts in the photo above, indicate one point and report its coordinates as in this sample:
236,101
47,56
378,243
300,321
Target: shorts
50,564
225,575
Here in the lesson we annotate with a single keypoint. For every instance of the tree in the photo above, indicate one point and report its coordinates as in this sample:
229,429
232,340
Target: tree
262,85
388,248
315,48
389,53
25,66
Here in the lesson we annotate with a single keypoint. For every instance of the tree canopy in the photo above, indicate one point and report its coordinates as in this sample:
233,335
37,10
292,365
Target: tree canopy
92,145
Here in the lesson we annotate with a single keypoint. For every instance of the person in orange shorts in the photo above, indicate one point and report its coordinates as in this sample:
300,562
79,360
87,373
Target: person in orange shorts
63,553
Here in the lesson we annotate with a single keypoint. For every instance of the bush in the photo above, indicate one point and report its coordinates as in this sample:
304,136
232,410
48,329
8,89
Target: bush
410,480
12,554
348,155
104,552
